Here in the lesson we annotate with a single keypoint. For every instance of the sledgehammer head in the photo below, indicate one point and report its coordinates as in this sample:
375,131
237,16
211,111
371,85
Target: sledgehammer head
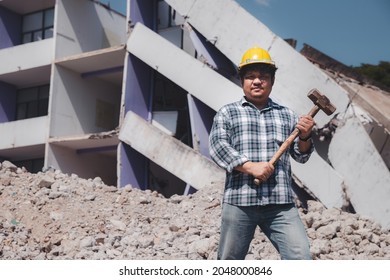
321,101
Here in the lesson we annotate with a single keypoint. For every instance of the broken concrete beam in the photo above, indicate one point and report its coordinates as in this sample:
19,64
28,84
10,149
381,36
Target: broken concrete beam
169,153
366,176
321,180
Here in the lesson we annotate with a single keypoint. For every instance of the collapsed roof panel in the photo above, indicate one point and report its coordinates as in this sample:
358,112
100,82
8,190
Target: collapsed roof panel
366,176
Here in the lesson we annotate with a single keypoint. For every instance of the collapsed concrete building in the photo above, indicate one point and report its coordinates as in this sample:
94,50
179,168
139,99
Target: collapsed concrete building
131,98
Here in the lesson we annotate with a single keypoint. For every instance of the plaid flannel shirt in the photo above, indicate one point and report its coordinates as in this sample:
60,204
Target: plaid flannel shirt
242,133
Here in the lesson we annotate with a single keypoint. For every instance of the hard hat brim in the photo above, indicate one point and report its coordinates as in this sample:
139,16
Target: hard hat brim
256,61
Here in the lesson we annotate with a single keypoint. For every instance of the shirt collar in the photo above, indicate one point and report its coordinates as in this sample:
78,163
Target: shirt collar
270,104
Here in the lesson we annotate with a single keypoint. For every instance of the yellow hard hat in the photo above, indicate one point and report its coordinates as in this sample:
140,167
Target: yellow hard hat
255,55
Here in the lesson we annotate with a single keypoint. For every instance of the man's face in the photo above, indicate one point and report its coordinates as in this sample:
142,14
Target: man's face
257,86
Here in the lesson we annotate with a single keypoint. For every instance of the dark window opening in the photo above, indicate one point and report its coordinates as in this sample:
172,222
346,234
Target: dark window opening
32,102
31,165
169,97
38,26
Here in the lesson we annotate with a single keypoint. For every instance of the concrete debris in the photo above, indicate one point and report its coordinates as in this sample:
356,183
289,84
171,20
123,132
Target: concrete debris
57,216
104,135
326,132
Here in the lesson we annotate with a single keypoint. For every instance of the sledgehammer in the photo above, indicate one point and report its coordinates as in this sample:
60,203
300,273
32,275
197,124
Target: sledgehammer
321,102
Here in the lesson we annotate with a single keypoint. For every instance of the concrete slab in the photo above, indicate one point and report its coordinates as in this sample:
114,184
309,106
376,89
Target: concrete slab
168,152
321,179
189,73
366,176
372,100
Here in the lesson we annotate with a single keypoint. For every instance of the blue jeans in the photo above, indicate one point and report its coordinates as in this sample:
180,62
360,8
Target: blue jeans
280,223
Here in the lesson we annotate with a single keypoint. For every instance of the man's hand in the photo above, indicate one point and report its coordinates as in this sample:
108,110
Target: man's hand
305,125
259,170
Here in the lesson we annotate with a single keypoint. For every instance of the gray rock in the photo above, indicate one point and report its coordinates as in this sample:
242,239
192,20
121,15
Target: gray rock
7,165
86,242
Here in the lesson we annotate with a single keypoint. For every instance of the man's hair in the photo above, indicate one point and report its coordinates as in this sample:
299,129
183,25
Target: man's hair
261,67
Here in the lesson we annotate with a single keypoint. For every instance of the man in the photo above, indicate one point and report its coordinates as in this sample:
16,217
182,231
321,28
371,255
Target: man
244,136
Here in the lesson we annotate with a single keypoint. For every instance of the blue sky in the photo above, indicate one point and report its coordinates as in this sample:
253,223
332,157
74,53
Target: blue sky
350,31
117,5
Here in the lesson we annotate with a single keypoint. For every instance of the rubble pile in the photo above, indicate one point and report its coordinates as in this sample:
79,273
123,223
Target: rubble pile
51,215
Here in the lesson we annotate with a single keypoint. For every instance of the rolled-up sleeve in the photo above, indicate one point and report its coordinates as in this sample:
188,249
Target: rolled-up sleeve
221,150
297,155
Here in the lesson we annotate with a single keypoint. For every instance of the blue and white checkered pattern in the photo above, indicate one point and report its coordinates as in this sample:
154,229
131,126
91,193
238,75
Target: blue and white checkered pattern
242,133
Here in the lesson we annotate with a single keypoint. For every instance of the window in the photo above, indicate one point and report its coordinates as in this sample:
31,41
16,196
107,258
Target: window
32,102
164,15
170,97
38,26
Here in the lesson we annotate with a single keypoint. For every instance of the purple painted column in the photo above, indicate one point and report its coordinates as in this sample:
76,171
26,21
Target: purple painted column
10,35
138,98
7,102
201,117
10,28
133,168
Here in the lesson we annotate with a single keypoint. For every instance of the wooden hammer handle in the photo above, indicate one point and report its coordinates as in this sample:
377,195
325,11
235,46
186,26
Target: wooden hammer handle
286,144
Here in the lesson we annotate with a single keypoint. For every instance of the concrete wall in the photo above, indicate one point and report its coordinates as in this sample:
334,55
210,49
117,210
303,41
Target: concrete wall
26,56
84,100
78,104
85,165
201,118
366,176
85,26
76,101
23,133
